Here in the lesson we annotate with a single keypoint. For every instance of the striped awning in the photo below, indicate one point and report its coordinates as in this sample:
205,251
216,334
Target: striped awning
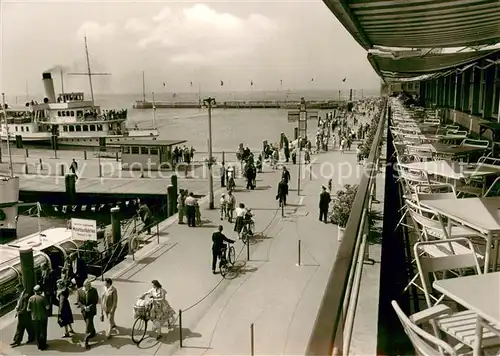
406,67
419,23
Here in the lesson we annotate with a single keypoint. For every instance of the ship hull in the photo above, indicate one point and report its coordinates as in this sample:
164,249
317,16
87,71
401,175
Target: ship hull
88,141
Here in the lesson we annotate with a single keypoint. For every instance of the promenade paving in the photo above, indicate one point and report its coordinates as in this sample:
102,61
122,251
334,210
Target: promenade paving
269,290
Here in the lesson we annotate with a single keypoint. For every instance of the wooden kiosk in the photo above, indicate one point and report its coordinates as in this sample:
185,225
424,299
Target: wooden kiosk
147,154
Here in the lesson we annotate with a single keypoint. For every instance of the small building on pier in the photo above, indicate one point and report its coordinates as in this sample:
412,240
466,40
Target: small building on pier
147,154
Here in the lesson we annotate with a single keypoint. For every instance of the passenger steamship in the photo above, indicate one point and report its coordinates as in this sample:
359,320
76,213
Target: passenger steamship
69,118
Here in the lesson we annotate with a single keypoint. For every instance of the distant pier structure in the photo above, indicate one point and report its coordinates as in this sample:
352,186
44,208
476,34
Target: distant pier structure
267,104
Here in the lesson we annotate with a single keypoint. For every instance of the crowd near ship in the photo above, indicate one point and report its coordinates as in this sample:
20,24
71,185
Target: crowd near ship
70,119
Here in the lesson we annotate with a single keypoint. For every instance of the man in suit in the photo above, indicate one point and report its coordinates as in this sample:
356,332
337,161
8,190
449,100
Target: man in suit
78,270
324,203
218,239
38,307
48,285
23,318
109,302
87,301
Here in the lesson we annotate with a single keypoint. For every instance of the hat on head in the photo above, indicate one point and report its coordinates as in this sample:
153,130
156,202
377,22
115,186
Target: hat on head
36,288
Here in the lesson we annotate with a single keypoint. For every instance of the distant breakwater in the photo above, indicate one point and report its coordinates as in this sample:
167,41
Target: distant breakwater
269,104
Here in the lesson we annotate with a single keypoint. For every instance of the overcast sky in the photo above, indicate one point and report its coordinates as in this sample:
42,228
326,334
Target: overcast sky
178,43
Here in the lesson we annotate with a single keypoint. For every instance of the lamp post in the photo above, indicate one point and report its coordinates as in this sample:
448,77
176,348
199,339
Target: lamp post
209,102
302,122
11,169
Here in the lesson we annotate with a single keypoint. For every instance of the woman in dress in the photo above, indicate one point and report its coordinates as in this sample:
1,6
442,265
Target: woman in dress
161,310
64,314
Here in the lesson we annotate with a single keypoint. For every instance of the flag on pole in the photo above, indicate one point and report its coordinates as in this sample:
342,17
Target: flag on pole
281,81
191,83
164,83
312,79
251,83
343,80
221,83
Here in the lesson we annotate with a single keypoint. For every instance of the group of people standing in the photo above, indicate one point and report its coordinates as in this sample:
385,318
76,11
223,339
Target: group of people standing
188,206
34,308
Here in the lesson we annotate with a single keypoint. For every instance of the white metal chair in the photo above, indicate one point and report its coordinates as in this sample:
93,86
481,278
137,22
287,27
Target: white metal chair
460,325
475,143
424,343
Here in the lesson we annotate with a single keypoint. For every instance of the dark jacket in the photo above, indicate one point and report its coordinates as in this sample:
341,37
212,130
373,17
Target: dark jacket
218,239
324,200
47,282
282,189
285,175
88,299
38,306
81,269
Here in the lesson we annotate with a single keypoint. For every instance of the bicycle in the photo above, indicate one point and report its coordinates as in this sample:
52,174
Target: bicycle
142,316
247,231
225,264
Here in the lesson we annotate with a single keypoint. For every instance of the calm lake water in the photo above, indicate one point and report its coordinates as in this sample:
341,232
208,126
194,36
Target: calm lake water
230,127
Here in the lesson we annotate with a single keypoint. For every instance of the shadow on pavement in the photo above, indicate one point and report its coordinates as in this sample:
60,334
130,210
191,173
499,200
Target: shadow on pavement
240,268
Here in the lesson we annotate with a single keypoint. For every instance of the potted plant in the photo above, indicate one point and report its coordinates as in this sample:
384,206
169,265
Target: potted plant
341,209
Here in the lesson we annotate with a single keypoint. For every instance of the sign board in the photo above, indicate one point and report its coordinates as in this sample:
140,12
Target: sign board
83,229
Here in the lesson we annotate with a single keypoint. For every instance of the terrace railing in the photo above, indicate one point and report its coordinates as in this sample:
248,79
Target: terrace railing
333,328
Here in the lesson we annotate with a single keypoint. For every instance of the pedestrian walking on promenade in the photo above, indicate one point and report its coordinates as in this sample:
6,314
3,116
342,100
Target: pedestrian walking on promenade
197,213
23,318
181,208
190,204
64,313
109,302
74,167
282,192
48,284
88,298
146,217
38,307
324,203
230,205
222,207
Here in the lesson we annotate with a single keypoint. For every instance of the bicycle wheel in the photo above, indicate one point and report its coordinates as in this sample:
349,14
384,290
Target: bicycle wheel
223,268
139,330
231,255
244,234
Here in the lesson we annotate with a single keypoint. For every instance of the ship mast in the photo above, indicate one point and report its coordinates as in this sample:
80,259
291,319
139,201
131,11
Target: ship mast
89,72
143,88
154,111
62,82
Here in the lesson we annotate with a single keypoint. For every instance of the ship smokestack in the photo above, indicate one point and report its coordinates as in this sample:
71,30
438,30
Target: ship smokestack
48,84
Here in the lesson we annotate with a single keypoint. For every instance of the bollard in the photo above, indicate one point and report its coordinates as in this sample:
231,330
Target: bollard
85,155
173,181
298,252
70,185
248,248
296,133
27,269
223,157
180,327
100,170
26,168
117,159
115,225
252,340
41,163
0,154
55,154
27,153
62,169
172,200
